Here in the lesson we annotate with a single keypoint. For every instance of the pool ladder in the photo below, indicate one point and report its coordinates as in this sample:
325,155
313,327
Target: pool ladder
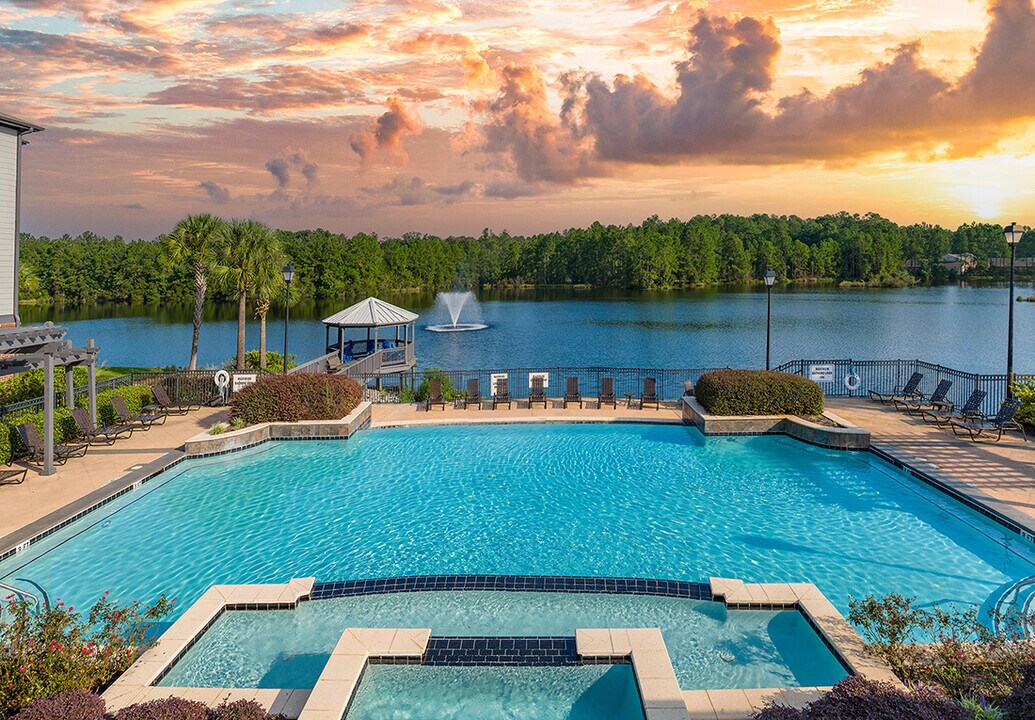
1011,597
23,594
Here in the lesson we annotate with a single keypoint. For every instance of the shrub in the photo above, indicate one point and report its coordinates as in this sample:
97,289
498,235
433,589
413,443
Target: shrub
172,708
290,398
1020,703
241,710
1025,392
48,651
856,698
274,361
218,429
28,385
758,392
67,705
136,397
449,391
238,424
65,428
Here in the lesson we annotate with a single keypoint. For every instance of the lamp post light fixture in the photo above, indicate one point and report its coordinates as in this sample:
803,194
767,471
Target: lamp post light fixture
1013,233
770,278
289,275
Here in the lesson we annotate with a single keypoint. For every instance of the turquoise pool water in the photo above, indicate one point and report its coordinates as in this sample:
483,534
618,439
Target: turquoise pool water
710,647
590,692
606,500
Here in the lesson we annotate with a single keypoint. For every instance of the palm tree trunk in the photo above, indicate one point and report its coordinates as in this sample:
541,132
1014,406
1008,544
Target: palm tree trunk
200,286
262,306
242,311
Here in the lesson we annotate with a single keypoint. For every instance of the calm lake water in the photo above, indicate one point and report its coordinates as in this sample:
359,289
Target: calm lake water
961,327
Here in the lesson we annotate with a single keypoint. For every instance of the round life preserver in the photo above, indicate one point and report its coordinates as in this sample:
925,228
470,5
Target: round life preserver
852,381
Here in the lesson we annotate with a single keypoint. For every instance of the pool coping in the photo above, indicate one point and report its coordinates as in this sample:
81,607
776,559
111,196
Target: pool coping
643,648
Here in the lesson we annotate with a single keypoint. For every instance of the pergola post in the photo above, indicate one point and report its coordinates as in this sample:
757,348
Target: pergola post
69,387
48,414
91,374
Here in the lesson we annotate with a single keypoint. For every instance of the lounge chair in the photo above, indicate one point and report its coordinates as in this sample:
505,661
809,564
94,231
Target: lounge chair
502,394
435,396
13,477
473,394
571,393
971,410
688,388
607,393
937,400
909,391
31,437
143,421
650,393
166,405
538,392
1003,421
93,434
347,354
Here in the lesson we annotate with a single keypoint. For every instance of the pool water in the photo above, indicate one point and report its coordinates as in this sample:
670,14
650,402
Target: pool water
417,692
711,648
654,501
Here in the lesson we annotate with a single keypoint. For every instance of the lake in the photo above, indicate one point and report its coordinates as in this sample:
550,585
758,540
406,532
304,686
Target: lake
958,326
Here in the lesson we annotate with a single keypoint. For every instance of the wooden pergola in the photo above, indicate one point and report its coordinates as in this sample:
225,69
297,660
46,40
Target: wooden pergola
43,347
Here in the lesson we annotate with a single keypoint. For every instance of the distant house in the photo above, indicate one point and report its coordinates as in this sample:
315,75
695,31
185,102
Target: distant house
11,132
959,262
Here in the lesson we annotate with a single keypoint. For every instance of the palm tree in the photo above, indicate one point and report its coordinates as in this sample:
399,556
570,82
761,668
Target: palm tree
191,241
268,283
237,254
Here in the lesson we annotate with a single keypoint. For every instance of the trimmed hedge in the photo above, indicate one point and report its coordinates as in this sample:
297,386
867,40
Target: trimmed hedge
758,392
290,398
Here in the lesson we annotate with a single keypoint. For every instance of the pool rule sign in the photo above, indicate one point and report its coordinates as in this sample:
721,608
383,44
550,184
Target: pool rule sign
821,373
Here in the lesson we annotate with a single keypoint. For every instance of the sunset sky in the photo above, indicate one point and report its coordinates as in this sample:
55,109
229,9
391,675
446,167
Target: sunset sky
448,116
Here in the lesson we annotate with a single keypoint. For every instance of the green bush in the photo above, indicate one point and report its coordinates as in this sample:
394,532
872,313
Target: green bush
758,392
136,397
290,398
274,361
449,391
65,428
28,385
1025,392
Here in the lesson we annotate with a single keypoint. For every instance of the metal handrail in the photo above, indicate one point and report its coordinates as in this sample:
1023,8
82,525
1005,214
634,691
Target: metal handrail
23,593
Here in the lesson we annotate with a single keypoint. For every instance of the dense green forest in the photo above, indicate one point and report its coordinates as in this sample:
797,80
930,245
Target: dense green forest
656,254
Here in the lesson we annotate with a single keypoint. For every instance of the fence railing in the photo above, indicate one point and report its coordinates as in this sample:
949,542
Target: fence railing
323,364
886,376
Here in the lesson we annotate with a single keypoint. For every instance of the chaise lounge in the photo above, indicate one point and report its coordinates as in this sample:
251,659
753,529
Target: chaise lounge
502,394
166,405
95,435
143,421
538,392
572,393
1003,421
31,438
473,394
971,410
937,400
607,393
650,394
909,391
435,396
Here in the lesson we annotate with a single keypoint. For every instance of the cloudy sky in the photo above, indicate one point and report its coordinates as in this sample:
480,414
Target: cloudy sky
449,116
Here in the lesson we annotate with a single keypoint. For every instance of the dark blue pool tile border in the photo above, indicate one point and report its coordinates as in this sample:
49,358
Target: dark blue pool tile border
513,583
517,651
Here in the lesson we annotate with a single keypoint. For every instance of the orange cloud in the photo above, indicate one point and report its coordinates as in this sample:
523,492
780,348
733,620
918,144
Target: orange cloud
387,132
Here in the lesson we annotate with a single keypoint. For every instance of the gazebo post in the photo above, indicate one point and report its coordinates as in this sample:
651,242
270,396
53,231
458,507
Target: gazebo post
69,387
48,414
91,385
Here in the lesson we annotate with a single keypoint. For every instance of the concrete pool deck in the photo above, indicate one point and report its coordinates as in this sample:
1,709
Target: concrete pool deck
400,415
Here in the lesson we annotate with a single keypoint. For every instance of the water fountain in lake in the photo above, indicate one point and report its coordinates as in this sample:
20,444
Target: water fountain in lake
455,302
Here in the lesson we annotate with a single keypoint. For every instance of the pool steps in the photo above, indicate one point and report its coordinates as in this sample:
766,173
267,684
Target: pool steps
643,648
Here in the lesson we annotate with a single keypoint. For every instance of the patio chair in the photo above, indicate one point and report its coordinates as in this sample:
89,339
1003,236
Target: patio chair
435,396
166,405
1003,421
607,393
971,410
909,391
93,434
473,394
538,392
688,388
13,477
347,353
502,394
143,421
650,393
937,400
31,438
571,393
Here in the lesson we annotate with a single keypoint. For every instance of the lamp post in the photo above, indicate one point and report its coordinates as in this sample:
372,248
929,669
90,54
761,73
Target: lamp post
770,278
1013,233
289,275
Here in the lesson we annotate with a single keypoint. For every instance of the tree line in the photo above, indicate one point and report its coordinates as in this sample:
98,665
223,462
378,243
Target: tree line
655,254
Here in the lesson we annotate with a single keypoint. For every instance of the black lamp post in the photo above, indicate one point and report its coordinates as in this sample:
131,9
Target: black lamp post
1014,233
770,278
289,275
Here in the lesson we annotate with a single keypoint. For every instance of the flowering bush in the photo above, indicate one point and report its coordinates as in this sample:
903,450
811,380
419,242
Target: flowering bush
67,705
856,698
80,705
165,709
303,396
1020,703
55,649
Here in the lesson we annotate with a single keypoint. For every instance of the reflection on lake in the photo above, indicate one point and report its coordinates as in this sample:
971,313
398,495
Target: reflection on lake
962,327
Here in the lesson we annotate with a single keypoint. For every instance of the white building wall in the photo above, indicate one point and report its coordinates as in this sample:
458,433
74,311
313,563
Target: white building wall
8,210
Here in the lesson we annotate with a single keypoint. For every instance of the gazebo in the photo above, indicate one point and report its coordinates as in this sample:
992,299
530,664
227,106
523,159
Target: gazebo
373,338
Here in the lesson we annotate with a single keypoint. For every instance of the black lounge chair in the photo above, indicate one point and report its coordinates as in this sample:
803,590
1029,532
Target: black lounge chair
502,394
166,405
13,477
143,421
571,393
1003,421
909,391
435,396
538,392
93,434
688,388
650,393
971,410
31,437
937,400
473,394
607,393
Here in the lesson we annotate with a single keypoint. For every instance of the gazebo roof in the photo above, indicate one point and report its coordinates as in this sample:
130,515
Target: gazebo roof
371,312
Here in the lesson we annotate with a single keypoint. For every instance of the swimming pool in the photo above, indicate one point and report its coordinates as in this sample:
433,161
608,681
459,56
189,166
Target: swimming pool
605,500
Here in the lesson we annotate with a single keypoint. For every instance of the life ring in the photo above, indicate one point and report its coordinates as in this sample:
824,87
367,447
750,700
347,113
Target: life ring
853,382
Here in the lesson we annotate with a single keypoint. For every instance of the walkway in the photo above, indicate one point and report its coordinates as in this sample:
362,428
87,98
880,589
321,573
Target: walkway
1004,470
39,495
393,415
